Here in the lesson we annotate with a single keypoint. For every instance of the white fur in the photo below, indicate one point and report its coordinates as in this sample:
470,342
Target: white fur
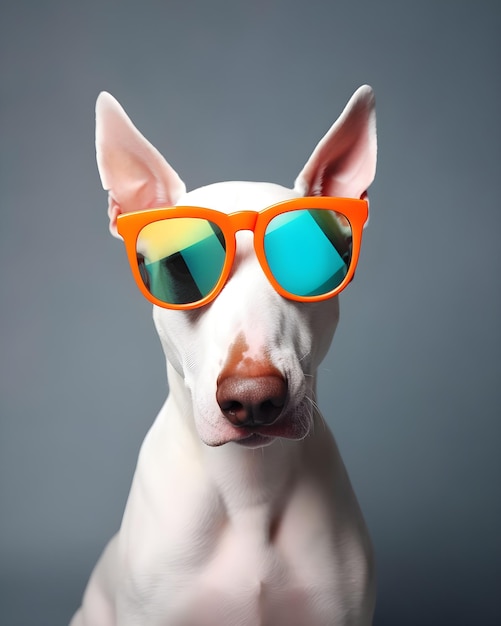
216,532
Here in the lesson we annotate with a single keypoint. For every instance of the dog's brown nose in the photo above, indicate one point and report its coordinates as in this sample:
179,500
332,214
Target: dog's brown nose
252,401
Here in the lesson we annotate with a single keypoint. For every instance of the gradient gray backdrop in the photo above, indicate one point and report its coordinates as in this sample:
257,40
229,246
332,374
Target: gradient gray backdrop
244,90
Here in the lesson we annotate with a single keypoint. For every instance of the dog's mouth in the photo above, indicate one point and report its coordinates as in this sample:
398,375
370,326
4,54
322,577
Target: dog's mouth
293,424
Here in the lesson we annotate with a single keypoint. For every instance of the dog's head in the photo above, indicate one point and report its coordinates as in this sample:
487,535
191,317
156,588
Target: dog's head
247,360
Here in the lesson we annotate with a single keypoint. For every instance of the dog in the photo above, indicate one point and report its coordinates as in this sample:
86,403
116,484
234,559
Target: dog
241,512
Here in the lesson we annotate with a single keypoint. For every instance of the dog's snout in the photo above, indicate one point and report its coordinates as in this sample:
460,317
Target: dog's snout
252,401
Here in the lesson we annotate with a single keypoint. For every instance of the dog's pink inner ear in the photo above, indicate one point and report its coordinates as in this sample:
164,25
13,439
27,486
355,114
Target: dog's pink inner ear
344,161
133,171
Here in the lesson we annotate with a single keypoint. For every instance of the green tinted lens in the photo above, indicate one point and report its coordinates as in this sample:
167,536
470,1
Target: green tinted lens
180,259
309,250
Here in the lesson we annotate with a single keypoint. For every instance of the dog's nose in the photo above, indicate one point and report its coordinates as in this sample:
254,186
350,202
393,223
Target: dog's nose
252,401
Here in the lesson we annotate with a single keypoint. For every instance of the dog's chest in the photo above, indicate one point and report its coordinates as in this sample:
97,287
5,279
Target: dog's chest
250,582
247,578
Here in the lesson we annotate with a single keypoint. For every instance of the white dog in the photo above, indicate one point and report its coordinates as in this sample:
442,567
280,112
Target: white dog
241,511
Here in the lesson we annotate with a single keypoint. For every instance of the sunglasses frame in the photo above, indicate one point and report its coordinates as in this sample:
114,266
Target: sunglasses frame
356,211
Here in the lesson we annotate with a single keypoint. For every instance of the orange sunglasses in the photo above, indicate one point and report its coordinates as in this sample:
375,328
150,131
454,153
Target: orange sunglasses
181,256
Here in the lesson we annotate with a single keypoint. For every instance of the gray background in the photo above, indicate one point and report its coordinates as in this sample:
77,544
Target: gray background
244,90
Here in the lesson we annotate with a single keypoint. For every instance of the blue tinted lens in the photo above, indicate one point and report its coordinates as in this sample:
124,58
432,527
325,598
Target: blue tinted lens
308,251
181,259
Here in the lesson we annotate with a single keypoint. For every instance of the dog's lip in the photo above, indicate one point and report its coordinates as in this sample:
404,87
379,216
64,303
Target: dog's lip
284,429
254,440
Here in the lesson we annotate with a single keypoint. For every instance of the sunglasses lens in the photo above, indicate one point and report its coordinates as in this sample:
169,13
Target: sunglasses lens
309,250
180,259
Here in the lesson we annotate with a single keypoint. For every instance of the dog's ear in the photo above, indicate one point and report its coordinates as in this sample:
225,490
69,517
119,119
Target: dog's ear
344,162
133,172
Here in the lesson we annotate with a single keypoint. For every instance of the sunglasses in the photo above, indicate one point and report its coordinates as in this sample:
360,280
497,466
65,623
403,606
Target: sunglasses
181,256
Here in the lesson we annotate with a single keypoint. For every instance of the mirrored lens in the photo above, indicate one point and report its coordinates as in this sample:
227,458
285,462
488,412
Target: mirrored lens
180,259
308,251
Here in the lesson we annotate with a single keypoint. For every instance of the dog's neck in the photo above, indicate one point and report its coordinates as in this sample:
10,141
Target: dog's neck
246,479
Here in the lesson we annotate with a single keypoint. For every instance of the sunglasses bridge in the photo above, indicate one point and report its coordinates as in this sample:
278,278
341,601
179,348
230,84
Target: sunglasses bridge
244,220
